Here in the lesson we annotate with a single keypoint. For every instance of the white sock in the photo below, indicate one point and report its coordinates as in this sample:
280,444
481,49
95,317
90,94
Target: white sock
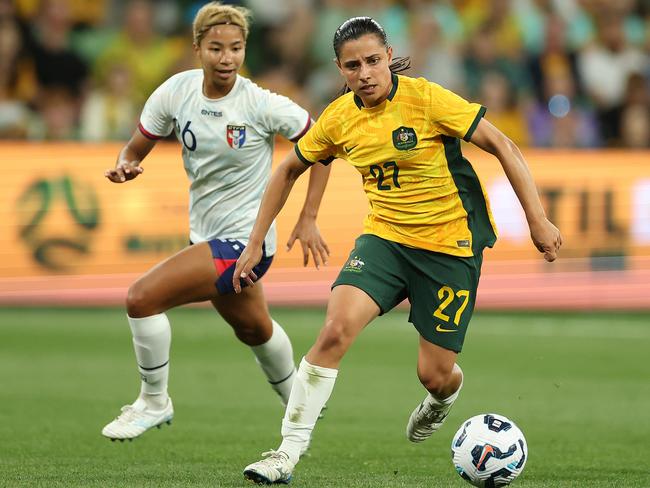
275,357
312,388
152,340
436,403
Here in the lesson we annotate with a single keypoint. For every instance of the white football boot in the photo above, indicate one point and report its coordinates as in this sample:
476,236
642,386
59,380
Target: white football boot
136,419
276,468
426,419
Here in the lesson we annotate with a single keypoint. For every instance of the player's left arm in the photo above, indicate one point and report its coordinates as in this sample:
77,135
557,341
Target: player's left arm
545,235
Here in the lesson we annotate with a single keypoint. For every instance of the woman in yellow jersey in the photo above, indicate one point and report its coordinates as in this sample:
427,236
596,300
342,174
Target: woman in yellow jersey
423,239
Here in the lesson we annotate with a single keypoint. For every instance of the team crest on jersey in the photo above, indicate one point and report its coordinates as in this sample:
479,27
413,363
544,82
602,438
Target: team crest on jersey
404,138
236,135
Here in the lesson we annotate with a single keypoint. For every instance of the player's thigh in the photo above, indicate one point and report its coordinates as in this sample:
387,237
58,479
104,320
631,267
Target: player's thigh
370,283
188,276
247,313
349,310
442,292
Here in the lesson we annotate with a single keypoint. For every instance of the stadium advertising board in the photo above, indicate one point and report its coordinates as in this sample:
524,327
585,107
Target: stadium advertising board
62,218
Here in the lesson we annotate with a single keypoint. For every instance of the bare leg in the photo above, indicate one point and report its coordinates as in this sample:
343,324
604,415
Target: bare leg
436,369
349,311
188,276
248,315
443,379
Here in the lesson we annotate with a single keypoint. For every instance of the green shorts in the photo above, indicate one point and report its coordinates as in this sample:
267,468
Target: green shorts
440,288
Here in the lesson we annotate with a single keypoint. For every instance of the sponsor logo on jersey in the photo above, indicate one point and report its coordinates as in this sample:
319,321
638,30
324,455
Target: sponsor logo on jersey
463,243
213,113
404,138
355,265
236,135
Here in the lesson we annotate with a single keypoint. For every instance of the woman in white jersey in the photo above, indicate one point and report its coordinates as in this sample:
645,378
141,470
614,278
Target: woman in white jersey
226,125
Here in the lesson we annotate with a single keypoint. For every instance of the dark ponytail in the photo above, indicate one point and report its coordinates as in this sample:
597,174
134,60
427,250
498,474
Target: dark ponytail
356,27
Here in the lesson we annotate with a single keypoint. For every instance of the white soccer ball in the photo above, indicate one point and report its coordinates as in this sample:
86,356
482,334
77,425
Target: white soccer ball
489,450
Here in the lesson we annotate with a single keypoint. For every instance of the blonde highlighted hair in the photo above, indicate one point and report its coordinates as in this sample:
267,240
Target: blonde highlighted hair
214,13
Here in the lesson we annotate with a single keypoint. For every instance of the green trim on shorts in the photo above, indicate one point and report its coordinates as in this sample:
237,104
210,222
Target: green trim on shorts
440,288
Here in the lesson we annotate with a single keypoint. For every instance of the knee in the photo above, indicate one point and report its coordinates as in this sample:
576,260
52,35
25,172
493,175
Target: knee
435,380
334,336
253,334
139,301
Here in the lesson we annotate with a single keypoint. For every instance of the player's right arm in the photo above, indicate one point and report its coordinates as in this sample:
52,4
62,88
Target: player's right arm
128,162
545,235
156,120
275,196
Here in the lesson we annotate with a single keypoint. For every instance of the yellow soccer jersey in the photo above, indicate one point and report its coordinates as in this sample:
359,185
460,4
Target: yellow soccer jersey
422,192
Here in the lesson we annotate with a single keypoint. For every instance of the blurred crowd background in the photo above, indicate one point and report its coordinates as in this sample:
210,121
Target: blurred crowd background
552,73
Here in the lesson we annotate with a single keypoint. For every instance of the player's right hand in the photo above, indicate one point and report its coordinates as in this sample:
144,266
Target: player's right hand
547,239
124,171
248,259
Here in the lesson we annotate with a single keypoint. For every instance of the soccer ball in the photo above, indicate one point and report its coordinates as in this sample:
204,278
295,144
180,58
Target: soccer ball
489,450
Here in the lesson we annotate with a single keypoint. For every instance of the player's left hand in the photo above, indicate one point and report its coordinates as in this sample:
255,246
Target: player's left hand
311,241
547,239
248,259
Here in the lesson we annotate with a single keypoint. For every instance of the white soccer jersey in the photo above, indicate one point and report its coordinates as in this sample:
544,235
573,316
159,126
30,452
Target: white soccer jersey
227,148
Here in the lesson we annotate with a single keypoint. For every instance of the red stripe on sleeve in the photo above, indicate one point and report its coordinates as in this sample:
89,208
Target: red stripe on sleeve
148,134
304,131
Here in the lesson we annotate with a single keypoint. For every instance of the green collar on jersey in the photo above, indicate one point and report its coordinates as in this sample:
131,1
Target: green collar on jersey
391,95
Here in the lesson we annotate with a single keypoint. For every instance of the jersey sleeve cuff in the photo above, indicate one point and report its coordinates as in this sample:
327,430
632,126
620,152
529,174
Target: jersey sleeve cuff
472,128
301,157
298,136
148,134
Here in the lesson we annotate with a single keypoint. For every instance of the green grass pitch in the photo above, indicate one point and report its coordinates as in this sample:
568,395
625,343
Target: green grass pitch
578,385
